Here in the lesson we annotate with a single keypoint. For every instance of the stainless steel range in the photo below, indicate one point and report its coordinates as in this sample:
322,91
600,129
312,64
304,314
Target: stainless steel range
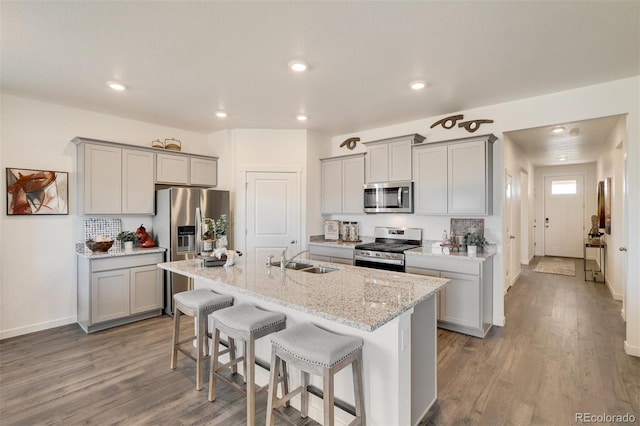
387,252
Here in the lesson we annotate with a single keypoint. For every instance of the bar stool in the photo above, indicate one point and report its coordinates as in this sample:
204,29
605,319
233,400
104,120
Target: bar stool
316,351
198,304
246,323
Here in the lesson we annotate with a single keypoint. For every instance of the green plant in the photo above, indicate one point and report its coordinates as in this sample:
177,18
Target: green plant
208,229
125,236
476,240
222,226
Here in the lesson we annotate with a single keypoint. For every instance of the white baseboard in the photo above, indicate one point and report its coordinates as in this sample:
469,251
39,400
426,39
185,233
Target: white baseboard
631,350
531,259
500,322
616,296
513,281
19,331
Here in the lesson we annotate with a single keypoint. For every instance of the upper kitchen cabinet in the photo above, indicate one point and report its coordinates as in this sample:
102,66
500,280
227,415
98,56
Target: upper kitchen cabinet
454,177
113,180
186,170
389,160
342,184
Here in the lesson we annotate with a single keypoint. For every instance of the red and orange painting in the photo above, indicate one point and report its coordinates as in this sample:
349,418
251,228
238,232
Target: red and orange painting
37,192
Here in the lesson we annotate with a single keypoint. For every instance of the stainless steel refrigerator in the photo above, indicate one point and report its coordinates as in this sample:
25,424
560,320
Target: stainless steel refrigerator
175,227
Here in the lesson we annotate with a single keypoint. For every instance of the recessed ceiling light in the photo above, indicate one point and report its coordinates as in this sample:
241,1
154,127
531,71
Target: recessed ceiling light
558,129
297,66
221,114
417,85
117,86
301,117
562,159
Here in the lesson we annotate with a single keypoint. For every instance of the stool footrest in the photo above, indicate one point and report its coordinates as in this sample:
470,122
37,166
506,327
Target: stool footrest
344,406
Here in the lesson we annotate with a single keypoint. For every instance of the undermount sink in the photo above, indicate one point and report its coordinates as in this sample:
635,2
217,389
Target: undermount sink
319,270
305,267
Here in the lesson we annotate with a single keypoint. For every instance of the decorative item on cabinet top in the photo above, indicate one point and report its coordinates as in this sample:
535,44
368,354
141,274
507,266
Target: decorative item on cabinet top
350,143
470,125
157,143
173,144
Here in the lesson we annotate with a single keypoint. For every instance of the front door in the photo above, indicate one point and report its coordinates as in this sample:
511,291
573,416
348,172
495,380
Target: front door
273,214
563,215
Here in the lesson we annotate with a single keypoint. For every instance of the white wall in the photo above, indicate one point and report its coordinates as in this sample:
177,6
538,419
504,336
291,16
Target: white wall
612,98
37,257
588,170
266,150
318,146
611,164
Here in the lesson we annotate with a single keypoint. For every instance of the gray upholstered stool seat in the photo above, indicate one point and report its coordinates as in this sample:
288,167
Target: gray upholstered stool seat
198,304
247,323
314,350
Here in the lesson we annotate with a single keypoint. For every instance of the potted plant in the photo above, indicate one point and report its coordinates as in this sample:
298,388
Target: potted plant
208,234
128,238
475,242
222,226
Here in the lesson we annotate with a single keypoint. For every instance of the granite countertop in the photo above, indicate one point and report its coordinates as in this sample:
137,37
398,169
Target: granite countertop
425,250
358,297
115,251
318,240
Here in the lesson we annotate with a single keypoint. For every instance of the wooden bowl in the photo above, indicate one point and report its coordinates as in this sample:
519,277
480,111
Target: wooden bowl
99,245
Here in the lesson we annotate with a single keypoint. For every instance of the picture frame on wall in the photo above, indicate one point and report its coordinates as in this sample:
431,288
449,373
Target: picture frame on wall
601,204
37,192
607,205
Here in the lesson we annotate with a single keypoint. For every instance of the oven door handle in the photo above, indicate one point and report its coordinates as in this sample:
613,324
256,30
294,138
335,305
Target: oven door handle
378,260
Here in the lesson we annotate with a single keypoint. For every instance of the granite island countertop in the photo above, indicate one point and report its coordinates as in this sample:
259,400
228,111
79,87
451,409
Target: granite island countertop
357,297
425,250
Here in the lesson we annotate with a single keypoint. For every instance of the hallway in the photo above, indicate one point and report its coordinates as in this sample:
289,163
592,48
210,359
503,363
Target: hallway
560,353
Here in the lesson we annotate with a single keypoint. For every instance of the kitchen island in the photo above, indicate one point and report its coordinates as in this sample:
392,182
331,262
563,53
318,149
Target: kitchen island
394,314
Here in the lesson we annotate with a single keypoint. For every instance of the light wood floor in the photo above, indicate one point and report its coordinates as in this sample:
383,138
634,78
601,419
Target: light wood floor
561,352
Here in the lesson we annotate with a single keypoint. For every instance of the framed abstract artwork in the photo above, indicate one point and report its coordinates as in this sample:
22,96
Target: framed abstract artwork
601,204
37,192
607,205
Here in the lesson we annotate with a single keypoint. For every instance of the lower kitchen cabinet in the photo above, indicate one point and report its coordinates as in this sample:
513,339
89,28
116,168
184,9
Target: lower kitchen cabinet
333,254
465,304
118,290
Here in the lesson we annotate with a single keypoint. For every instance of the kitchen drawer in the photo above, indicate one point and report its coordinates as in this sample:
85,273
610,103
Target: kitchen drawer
443,263
331,251
119,262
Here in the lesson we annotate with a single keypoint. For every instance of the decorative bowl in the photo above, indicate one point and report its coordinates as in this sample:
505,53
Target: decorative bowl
99,245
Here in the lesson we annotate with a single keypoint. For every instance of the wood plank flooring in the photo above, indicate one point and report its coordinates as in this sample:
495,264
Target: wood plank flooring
560,353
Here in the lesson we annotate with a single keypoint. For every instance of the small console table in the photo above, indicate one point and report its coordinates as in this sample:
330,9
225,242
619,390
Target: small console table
602,246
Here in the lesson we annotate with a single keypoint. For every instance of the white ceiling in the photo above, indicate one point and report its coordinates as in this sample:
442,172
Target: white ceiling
545,148
185,60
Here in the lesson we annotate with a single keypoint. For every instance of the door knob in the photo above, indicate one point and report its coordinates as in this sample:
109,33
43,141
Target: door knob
512,237
622,249
293,241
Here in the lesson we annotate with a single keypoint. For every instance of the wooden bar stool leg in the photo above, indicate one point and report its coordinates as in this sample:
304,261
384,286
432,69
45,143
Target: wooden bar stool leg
244,362
285,380
304,395
232,354
358,389
327,396
273,386
200,347
251,381
213,365
176,339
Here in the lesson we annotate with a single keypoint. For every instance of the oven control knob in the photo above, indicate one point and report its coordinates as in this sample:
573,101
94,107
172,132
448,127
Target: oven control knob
377,254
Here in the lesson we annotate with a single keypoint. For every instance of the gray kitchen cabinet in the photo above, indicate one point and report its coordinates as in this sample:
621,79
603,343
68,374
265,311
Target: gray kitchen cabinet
454,177
331,253
185,170
389,160
430,179
465,304
342,181
118,290
112,180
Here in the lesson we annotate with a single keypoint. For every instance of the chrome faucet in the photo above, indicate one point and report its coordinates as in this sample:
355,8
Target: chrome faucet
284,262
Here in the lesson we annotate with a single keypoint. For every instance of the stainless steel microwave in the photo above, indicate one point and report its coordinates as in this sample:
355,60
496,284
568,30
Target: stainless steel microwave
388,197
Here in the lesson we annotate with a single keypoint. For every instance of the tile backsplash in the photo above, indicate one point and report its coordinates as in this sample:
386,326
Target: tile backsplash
460,226
97,226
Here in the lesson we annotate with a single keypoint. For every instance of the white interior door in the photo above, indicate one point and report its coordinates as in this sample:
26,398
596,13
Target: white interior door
273,214
508,196
524,218
563,215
